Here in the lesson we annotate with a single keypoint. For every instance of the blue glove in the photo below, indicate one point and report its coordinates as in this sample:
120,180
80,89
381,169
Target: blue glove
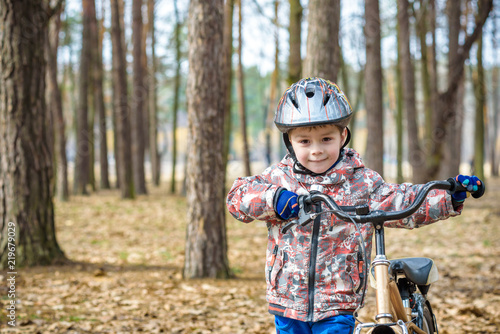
469,182
286,206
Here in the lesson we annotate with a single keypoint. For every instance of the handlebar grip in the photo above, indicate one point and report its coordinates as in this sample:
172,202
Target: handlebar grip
457,186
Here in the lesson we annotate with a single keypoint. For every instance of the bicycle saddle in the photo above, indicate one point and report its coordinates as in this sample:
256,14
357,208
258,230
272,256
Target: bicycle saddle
419,270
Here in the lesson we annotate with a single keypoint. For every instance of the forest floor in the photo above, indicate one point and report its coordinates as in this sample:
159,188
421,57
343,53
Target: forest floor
128,257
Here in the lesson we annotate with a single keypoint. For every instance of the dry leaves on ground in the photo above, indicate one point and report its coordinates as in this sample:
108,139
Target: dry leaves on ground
128,255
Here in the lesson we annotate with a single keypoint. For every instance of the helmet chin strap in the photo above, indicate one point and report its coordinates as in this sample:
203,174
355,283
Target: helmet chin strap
299,168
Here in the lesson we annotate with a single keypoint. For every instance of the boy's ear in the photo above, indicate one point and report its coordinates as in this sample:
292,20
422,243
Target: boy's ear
343,134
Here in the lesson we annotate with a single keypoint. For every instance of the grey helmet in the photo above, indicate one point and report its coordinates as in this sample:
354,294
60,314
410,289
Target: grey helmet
312,101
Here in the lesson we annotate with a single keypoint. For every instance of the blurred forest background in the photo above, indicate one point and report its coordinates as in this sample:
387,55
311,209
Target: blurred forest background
124,122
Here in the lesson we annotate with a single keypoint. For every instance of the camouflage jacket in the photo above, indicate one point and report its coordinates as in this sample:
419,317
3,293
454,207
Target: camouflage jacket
313,271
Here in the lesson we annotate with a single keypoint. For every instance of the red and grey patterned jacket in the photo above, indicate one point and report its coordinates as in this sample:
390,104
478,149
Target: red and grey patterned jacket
313,271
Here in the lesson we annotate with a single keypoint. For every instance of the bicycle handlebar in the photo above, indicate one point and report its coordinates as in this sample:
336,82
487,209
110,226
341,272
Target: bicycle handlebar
362,212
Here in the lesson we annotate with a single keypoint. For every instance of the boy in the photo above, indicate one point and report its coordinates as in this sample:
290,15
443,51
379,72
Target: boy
312,271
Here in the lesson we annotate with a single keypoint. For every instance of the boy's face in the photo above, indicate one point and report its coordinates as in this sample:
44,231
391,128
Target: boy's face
317,148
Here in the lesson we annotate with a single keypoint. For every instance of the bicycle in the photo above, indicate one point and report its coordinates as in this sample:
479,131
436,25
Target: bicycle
400,308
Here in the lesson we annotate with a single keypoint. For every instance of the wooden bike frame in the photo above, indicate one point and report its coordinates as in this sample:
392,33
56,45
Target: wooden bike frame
392,316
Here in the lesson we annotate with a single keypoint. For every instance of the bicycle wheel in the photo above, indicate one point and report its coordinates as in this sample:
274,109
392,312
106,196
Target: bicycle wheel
425,317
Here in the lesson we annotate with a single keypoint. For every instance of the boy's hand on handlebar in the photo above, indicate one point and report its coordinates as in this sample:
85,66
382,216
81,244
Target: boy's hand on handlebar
286,206
470,183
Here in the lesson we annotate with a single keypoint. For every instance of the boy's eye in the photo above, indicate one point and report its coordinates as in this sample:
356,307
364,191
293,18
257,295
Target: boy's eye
304,141
327,139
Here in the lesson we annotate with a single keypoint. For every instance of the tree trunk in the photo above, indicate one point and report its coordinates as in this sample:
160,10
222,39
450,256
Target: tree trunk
138,100
373,89
241,97
98,74
82,162
422,30
495,96
399,98
445,102
56,110
452,153
415,154
26,174
295,41
153,101
480,94
269,126
228,78
322,56
177,86
121,106
206,244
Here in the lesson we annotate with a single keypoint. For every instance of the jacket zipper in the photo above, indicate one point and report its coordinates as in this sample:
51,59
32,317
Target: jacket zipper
312,267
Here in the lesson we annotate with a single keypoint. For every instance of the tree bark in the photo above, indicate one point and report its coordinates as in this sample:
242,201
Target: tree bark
26,175
121,106
175,107
153,101
269,125
98,74
322,56
417,159
228,78
480,94
241,97
138,100
206,244
56,110
373,89
295,40
452,153
495,96
82,161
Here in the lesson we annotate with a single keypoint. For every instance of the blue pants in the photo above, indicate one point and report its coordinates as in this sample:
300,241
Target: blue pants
341,324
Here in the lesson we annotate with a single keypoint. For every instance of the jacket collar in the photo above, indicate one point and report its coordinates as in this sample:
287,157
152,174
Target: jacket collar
342,171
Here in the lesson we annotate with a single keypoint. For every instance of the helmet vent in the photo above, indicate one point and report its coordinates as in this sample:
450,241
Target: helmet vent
327,98
310,91
291,96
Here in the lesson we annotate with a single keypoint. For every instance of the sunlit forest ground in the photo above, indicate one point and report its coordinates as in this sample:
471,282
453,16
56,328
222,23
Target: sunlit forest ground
128,257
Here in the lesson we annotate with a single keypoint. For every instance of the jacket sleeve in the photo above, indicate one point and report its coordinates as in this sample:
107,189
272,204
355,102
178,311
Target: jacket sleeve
395,197
252,198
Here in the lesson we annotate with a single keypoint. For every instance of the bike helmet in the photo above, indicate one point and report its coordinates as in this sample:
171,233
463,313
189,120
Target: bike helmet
311,102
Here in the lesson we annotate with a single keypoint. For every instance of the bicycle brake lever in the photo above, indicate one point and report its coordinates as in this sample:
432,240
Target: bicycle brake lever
304,216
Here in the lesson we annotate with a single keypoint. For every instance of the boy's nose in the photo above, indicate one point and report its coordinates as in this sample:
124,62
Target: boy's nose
316,149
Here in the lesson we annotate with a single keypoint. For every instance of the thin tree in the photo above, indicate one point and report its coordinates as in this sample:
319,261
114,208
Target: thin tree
241,95
480,94
417,160
206,243
373,89
227,73
177,87
269,126
83,149
26,172
495,96
121,106
98,77
153,100
452,145
56,109
323,53
138,100
295,41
